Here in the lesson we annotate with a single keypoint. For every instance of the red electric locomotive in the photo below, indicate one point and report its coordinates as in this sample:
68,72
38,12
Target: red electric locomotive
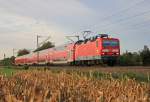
95,50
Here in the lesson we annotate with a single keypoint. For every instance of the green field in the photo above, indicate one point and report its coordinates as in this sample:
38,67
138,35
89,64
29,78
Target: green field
7,71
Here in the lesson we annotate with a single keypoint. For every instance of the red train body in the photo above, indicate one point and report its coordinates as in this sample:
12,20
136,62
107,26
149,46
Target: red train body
95,50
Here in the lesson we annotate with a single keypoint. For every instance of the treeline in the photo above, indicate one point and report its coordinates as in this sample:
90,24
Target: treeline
135,58
8,61
46,45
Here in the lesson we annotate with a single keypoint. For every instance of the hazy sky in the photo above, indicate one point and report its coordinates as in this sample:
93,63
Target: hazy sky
22,20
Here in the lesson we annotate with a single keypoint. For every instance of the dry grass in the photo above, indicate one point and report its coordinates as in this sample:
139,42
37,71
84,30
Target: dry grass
45,86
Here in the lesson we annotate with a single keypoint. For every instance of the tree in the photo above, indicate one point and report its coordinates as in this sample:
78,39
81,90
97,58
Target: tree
145,55
45,46
8,61
23,52
130,59
12,59
1,62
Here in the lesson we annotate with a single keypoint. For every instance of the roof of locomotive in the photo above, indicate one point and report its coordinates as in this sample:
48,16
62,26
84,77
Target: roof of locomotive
94,38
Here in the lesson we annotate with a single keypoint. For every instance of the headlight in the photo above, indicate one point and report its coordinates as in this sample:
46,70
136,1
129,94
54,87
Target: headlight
103,53
115,50
117,53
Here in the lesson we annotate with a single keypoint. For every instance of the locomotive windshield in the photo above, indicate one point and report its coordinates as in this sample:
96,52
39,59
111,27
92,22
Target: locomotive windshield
112,43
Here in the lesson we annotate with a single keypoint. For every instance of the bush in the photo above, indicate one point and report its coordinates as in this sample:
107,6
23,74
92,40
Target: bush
130,59
8,61
145,55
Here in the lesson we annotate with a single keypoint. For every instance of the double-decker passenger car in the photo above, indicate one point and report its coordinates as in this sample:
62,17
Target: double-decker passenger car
95,50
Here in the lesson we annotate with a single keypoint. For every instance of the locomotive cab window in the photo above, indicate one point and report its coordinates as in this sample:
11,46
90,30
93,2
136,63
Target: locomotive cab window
112,43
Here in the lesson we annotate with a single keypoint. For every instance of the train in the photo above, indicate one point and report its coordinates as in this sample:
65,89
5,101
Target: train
92,51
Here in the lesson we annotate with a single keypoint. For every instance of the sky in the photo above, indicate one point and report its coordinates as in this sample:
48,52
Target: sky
22,20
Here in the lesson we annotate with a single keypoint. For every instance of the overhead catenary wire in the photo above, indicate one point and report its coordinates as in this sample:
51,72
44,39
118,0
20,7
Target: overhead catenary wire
119,12
127,18
114,14
138,25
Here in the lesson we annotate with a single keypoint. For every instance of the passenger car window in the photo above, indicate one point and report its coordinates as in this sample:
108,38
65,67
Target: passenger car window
96,43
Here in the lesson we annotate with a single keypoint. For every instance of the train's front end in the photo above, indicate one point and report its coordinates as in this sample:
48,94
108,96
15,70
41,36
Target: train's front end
110,50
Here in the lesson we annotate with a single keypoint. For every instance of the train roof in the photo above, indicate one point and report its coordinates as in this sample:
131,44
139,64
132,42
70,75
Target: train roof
61,47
